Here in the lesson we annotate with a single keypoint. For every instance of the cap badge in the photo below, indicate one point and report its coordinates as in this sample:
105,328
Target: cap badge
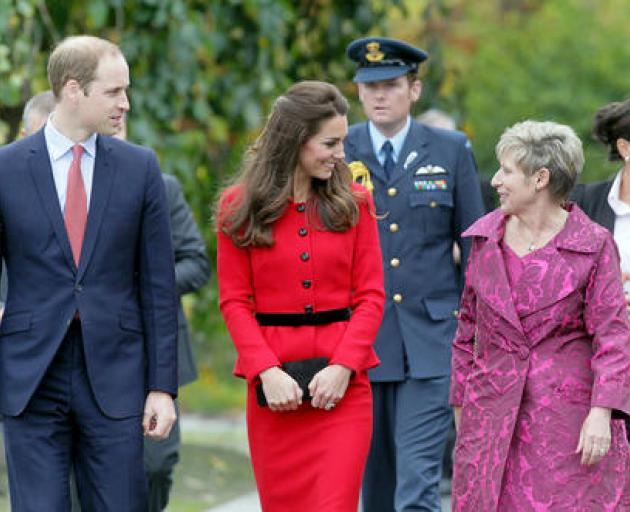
373,52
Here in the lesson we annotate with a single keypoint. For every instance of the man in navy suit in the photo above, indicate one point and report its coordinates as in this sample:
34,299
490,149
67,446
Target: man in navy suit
88,341
426,193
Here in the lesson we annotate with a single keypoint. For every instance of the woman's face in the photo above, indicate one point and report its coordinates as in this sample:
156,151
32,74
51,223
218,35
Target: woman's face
516,190
322,151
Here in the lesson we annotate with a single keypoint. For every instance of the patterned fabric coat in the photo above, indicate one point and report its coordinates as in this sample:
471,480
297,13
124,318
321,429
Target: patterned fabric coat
527,370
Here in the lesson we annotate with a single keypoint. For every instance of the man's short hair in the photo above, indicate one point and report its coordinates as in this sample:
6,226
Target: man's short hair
76,58
42,104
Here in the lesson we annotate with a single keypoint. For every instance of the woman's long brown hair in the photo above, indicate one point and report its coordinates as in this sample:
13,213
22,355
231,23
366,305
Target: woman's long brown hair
264,185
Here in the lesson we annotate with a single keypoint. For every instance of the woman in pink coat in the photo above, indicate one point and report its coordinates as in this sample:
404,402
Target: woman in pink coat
541,359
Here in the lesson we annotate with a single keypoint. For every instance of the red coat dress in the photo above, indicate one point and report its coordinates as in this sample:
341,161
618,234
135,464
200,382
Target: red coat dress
309,459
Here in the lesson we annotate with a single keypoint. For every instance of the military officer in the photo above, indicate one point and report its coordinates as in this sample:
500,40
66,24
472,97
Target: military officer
426,192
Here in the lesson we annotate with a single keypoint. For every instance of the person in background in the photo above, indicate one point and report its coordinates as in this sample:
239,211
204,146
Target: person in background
36,112
301,284
541,359
608,202
192,271
426,193
89,355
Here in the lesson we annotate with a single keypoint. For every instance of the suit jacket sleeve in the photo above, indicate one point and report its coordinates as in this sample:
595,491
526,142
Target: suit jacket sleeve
192,269
468,201
368,296
607,321
464,342
157,285
236,303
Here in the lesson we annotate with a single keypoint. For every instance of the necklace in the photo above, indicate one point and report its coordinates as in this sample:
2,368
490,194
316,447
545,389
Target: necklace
531,247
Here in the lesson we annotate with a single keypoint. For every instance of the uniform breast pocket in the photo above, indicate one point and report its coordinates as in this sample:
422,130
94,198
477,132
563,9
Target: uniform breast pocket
434,210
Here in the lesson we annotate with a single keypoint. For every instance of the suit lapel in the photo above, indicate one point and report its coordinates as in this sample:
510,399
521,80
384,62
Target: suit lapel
104,173
362,148
414,153
41,172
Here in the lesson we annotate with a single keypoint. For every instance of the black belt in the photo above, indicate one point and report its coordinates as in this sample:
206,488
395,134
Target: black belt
295,319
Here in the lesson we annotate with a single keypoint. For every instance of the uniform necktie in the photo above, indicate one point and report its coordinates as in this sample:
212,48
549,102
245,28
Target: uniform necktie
389,164
75,210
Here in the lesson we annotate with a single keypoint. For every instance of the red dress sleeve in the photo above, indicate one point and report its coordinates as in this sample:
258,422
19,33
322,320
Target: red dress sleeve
368,296
237,306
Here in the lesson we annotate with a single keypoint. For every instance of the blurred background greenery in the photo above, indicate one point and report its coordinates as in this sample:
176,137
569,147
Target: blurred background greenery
205,72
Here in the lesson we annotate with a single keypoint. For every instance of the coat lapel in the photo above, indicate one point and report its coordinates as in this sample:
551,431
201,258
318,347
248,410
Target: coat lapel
362,148
41,172
104,173
413,154
489,275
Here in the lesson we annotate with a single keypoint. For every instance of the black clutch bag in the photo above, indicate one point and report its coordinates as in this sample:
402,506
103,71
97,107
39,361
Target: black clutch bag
302,371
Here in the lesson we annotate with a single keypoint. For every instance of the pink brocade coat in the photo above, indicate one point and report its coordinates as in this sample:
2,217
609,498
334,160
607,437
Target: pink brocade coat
527,371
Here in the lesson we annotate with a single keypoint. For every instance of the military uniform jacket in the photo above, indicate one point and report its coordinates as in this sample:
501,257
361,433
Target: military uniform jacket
431,198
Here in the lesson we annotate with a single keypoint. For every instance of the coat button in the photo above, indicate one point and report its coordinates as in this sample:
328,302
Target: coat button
394,262
308,309
303,232
78,288
523,352
432,204
300,207
306,283
304,256
397,298
393,227
391,192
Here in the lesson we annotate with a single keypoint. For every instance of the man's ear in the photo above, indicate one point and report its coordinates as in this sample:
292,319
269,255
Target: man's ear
416,90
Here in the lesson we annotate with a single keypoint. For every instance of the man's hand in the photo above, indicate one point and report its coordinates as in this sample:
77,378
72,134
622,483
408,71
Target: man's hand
159,415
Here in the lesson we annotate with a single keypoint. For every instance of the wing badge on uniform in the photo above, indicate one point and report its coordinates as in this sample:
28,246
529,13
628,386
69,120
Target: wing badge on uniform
361,174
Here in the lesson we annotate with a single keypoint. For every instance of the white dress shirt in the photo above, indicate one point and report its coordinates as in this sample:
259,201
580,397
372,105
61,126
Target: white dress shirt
60,153
622,224
378,139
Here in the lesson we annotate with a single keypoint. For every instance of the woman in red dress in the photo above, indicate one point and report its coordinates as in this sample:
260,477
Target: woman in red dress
300,277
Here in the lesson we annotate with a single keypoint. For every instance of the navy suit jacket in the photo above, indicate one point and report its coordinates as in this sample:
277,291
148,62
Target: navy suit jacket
420,215
124,288
592,198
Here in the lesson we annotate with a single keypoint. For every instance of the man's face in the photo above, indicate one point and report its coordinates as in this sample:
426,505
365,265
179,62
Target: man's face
387,103
103,103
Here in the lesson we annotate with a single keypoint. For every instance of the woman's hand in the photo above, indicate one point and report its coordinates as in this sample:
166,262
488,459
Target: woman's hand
595,436
625,278
457,416
329,385
281,390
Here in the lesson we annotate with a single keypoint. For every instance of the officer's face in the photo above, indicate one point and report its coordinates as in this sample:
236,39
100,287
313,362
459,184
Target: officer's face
516,190
324,150
387,103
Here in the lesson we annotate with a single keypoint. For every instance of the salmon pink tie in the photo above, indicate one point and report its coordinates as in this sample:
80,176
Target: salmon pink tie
75,211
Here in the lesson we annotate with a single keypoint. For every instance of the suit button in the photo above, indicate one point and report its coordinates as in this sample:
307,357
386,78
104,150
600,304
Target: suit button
394,262
523,352
308,309
300,207
306,283
391,192
397,298
304,256
303,232
78,288
393,227
432,204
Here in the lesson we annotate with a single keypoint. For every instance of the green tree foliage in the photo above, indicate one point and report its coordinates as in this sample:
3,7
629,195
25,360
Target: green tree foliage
503,61
204,74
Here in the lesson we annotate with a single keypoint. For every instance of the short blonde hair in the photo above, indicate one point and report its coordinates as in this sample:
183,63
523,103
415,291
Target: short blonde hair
537,144
76,58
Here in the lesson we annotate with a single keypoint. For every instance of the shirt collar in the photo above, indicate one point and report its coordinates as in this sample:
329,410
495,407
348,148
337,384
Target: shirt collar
618,206
378,139
58,144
